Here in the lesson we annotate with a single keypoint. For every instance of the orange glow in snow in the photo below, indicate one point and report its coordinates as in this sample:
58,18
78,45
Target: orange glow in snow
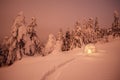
90,49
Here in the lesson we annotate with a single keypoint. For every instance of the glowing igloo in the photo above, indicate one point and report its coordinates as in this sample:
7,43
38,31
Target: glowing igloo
89,49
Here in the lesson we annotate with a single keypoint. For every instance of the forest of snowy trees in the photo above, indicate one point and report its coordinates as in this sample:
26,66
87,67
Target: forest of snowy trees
24,40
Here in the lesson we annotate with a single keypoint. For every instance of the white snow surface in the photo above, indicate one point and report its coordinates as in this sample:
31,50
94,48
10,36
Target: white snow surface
69,65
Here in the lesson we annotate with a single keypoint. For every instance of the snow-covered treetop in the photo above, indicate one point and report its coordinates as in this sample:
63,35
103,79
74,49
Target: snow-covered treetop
33,22
60,35
30,28
51,37
77,23
90,23
116,19
20,19
116,14
96,22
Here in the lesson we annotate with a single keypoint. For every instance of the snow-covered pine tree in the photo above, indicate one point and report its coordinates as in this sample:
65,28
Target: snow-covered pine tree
60,35
59,42
91,31
72,40
32,43
87,31
50,45
4,50
16,42
97,30
66,41
23,40
101,34
116,25
76,36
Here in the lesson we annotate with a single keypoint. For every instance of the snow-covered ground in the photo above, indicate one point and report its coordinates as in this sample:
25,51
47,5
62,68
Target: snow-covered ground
71,65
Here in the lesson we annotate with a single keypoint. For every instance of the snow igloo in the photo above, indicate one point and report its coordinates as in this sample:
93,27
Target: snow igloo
89,49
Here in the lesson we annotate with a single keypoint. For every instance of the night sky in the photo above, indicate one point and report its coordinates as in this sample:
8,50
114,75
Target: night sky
55,14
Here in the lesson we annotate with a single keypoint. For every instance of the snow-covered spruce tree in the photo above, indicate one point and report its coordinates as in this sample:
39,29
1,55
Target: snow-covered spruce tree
32,43
23,40
76,36
116,25
84,32
104,34
15,42
59,42
60,35
89,32
50,45
99,33
4,50
97,29
66,41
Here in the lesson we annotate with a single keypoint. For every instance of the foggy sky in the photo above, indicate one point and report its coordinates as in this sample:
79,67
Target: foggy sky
55,14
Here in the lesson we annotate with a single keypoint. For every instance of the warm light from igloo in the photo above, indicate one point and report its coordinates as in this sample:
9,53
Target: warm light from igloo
89,49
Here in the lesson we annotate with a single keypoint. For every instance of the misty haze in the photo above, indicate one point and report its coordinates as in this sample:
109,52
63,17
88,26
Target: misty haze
59,40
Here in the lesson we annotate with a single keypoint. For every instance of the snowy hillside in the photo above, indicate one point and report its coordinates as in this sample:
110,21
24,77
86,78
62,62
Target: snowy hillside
68,65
